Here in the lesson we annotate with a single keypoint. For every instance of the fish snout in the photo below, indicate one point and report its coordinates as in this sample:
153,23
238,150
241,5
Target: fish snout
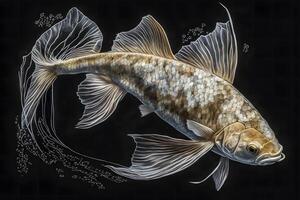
270,158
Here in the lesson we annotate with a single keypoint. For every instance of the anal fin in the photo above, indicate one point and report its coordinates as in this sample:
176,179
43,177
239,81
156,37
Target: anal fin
100,96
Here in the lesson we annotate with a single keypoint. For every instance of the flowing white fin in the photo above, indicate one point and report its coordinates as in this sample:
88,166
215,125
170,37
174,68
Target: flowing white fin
100,97
157,156
145,110
199,129
216,52
76,35
148,37
219,174
40,81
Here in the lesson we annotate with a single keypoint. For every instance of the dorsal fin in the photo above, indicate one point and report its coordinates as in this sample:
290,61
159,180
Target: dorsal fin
215,52
148,37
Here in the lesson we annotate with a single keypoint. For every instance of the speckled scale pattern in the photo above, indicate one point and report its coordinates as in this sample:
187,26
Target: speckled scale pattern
177,91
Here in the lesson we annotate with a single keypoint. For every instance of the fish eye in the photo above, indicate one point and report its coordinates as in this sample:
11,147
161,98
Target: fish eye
252,149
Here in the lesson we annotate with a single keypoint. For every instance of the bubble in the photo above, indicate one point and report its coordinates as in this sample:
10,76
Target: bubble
193,34
47,20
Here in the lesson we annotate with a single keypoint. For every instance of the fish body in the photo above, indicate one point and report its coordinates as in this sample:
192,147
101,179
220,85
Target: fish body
192,91
174,90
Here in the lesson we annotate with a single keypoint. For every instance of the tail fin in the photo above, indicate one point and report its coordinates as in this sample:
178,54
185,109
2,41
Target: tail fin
76,35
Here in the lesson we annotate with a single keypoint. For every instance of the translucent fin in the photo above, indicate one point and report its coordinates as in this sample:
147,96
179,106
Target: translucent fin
219,174
145,110
41,80
100,97
216,52
199,129
157,156
148,38
75,35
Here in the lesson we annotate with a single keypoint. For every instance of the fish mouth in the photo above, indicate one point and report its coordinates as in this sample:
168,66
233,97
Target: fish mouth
269,158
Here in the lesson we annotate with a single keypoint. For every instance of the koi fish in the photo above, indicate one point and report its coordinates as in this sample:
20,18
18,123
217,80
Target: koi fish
192,91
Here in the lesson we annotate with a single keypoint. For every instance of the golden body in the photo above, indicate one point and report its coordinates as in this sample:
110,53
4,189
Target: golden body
172,89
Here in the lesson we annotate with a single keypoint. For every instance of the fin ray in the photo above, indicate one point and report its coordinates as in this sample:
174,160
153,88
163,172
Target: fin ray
147,37
62,41
215,52
219,174
158,156
59,42
100,98
41,80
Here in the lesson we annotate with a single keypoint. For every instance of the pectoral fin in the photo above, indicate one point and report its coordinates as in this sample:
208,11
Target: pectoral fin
219,174
199,129
157,156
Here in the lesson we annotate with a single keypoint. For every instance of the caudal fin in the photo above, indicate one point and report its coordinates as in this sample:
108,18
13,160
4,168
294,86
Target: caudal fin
74,36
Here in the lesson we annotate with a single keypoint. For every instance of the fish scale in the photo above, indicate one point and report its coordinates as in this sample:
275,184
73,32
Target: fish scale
174,90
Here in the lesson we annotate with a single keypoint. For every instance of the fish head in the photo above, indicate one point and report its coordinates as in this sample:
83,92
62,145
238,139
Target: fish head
250,146
255,148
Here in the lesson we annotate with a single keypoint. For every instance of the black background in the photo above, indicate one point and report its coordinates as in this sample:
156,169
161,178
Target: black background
268,75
